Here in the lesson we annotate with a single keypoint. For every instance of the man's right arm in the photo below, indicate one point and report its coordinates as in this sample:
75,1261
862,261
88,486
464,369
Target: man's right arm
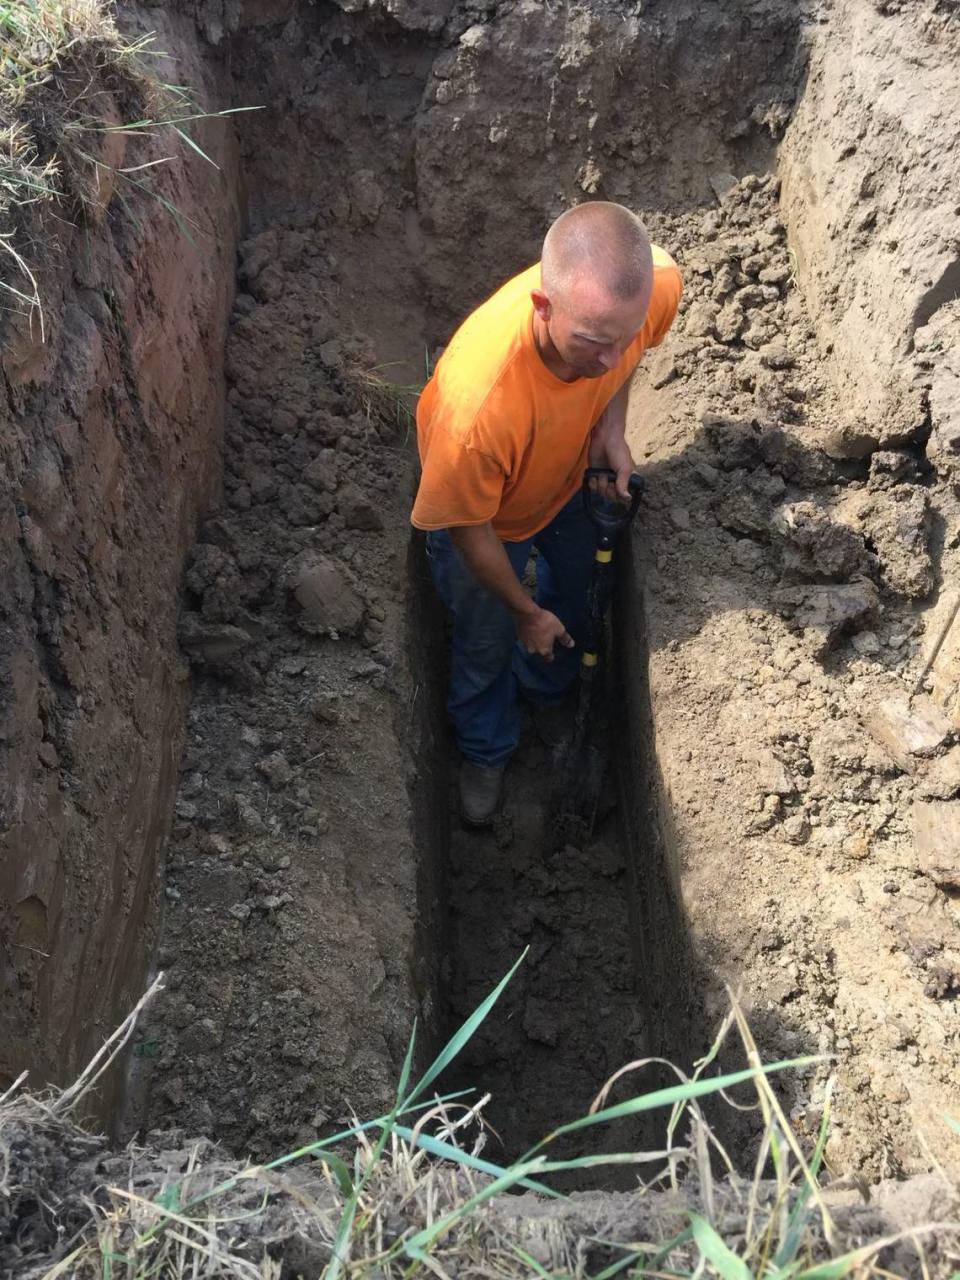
538,630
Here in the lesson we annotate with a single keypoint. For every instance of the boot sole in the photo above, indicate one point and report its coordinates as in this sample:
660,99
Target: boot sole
479,824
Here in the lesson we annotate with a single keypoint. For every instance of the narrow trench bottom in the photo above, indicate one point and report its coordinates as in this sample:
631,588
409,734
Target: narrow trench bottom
572,1015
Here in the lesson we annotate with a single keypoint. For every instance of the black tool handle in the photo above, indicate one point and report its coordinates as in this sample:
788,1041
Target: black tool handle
611,523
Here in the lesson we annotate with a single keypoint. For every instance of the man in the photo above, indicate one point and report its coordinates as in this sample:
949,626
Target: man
531,390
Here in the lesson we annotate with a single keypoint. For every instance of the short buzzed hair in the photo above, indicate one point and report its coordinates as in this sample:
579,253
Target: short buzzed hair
600,240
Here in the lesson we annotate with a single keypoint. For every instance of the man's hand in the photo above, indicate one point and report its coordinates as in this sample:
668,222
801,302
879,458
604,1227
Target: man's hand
614,490
608,448
539,631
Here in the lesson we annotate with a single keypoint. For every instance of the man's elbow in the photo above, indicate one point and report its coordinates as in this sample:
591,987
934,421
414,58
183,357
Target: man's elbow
468,535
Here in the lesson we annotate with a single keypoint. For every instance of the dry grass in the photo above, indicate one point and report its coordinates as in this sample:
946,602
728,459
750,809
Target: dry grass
388,405
53,59
70,85
409,1194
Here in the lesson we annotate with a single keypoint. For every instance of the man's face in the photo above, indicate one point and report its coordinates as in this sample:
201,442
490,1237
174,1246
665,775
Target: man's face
591,330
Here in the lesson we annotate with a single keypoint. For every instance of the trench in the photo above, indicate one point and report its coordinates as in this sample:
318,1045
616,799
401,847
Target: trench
260,715
223,748
582,1003
320,892
284,821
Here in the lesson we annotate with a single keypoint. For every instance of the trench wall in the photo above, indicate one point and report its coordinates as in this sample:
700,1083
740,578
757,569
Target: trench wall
110,444
870,179
548,106
662,956
424,729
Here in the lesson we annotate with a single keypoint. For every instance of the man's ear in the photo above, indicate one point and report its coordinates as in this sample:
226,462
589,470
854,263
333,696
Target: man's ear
541,304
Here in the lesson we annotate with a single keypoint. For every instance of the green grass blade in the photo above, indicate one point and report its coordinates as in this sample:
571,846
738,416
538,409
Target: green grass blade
355,1129
786,1272
407,1063
591,1162
667,1097
311,1149
460,1037
340,1171
726,1262
837,1268
169,1198
447,1151
954,1124
416,1245
798,1216
389,1124
386,1129
616,1267
174,212
182,133
335,1267
665,1250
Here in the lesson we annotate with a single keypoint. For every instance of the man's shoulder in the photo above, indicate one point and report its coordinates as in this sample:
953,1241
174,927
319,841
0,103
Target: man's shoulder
665,269
484,359
665,299
494,330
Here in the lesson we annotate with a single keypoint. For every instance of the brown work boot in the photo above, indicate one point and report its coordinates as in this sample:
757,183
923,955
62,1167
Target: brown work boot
480,792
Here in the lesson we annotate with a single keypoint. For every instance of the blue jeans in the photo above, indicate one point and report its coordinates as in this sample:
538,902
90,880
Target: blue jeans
488,666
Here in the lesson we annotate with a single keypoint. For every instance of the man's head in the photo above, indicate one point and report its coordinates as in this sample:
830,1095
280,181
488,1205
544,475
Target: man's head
596,282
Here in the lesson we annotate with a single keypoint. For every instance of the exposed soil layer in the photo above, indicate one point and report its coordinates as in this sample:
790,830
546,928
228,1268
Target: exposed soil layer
109,444
296,968
788,601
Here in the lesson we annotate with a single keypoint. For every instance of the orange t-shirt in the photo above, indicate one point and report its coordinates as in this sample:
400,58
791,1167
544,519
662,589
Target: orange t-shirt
503,439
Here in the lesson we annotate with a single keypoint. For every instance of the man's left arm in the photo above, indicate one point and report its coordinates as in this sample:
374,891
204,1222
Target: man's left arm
608,445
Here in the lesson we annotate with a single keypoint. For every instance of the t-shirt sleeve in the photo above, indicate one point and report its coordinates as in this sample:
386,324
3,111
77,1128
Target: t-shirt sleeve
666,299
459,484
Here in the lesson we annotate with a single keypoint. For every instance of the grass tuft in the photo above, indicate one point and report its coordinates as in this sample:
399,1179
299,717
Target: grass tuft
77,101
408,1195
385,404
